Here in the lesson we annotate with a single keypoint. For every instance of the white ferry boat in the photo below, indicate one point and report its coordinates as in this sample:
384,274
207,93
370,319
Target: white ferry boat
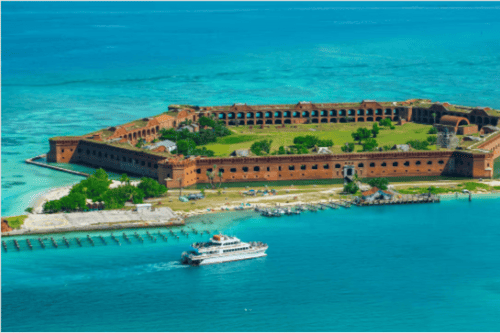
222,248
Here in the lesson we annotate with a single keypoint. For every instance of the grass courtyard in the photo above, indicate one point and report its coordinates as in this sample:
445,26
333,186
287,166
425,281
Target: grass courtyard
340,133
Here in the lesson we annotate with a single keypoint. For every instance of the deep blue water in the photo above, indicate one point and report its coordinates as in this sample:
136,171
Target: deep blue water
430,267
72,68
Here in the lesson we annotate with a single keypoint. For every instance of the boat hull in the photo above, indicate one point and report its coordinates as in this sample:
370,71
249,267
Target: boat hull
228,258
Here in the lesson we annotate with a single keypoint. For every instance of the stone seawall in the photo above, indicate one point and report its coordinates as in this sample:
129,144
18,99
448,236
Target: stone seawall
33,161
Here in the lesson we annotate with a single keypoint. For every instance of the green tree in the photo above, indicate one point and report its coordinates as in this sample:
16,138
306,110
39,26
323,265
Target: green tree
324,143
348,147
432,139
185,147
29,210
151,188
434,116
205,121
370,144
418,145
124,178
211,175
375,130
261,147
309,141
94,185
351,188
281,150
386,122
220,174
433,130
380,183
361,134
140,143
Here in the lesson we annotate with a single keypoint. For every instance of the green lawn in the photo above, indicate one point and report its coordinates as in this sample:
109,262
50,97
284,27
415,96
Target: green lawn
16,222
340,133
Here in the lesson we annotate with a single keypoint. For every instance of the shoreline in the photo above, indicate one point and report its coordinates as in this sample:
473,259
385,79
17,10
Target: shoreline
188,218
220,204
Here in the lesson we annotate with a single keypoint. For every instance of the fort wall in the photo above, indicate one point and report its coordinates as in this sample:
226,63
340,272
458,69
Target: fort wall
97,150
298,167
101,155
492,144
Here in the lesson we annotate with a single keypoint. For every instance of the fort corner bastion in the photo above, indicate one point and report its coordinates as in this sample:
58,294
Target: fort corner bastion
114,148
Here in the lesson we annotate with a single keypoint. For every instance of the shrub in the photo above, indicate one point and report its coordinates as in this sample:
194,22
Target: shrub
151,187
386,122
261,147
370,144
348,147
432,139
309,140
375,130
419,145
361,134
380,183
351,188
433,130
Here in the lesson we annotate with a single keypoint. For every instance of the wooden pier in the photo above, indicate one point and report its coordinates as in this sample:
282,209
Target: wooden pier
401,201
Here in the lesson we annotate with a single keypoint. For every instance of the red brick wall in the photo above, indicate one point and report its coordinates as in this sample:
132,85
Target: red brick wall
467,130
62,151
277,168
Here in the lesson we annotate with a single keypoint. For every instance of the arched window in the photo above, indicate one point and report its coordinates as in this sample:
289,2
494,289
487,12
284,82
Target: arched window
361,165
302,167
442,162
198,171
256,168
326,166
372,165
233,170
245,169
407,163
384,164
315,167
291,167
337,166
418,163
395,164
429,162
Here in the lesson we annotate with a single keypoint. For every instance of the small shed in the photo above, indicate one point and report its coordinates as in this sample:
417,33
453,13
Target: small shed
404,148
376,194
241,153
323,150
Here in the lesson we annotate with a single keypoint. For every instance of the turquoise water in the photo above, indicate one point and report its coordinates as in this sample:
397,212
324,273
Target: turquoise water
72,68
429,267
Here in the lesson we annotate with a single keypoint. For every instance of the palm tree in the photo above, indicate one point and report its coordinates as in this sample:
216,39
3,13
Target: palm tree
220,177
180,179
125,179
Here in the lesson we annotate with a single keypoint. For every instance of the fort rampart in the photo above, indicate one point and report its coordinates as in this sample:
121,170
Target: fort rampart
114,149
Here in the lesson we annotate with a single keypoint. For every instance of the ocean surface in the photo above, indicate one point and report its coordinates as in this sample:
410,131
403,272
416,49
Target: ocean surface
427,267
72,68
